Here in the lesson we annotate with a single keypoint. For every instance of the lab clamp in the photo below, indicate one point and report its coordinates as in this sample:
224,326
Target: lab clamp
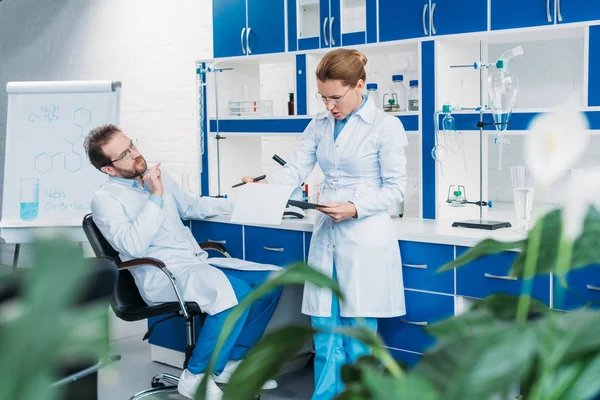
503,87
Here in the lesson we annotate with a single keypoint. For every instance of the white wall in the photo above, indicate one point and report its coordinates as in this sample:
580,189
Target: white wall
149,45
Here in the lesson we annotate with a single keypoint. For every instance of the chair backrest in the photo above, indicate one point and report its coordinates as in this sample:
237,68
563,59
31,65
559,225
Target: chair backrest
126,301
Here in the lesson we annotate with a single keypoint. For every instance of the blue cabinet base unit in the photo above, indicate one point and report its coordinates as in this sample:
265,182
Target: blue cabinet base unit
228,235
273,246
171,334
407,332
489,275
583,289
420,262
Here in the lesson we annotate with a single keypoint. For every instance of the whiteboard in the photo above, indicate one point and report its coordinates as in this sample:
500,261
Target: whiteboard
48,180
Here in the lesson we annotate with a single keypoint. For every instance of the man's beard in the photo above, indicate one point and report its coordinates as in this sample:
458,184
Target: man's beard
134,173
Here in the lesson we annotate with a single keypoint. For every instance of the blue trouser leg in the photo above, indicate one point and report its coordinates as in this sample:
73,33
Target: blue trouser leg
246,333
333,350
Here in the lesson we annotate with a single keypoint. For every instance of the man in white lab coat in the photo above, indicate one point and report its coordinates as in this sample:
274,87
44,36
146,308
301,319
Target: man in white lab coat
139,210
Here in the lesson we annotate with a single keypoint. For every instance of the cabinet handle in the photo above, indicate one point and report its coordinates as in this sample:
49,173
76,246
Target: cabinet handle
242,40
424,266
559,11
504,277
432,21
325,31
424,323
595,288
331,31
548,11
424,14
277,249
248,40
218,241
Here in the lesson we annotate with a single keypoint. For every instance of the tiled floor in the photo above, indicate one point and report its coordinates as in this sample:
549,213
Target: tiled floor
135,369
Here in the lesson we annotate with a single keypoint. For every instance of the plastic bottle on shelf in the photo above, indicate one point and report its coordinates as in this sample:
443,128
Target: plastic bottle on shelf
400,90
413,96
373,95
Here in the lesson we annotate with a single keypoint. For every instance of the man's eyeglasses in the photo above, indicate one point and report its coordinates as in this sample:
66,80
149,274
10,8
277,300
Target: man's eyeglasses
126,155
333,100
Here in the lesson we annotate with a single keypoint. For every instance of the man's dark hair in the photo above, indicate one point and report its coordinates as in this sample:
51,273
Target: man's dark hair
94,142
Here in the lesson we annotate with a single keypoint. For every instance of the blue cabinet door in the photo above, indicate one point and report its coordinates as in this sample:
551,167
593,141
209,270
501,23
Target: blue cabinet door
273,246
335,23
228,235
325,21
509,14
583,288
420,262
266,24
403,19
489,275
422,309
229,26
450,16
407,358
577,11
307,239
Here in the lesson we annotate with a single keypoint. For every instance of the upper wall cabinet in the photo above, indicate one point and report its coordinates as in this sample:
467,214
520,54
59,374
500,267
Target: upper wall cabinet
314,24
508,14
419,18
244,27
451,17
403,19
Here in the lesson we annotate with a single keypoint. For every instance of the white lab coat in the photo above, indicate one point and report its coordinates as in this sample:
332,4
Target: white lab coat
367,166
137,227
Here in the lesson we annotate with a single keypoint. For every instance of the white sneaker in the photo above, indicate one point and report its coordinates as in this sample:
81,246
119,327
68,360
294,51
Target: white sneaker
189,383
229,369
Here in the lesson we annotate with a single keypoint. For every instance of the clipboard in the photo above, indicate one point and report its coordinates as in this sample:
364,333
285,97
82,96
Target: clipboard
304,204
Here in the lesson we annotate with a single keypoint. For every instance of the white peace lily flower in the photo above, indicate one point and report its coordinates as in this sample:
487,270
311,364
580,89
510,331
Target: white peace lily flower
582,191
555,142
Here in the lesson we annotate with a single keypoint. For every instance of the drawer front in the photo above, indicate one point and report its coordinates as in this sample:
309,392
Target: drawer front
273,246
420,262
583,289
488,275
407,332
407,358
228,235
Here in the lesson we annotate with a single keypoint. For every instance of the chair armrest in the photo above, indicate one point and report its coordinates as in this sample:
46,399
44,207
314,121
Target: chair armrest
214,246
142,261
138,262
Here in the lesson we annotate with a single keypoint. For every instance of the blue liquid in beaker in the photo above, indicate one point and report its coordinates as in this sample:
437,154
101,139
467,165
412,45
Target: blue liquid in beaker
29,211
30,199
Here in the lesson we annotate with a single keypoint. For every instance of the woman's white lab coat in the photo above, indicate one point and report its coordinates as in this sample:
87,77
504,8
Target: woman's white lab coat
137,227
367,166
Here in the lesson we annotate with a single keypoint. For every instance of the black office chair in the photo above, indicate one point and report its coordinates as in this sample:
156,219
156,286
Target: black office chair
128,305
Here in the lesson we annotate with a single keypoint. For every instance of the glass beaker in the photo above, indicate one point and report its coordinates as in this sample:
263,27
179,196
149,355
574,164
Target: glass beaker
30,194
523,187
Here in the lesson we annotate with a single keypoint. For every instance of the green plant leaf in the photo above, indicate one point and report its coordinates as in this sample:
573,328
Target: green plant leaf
481,249
298,274
367,379
587,384
569,336
478,364
264,361
46,300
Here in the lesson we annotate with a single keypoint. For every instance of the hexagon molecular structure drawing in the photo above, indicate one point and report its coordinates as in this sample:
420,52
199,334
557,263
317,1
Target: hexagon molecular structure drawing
73,162
82,117
43,162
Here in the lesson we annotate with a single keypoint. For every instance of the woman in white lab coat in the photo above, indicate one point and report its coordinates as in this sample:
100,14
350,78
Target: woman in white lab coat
361,151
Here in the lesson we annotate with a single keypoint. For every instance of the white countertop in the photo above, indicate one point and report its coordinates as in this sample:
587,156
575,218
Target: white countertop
413,229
